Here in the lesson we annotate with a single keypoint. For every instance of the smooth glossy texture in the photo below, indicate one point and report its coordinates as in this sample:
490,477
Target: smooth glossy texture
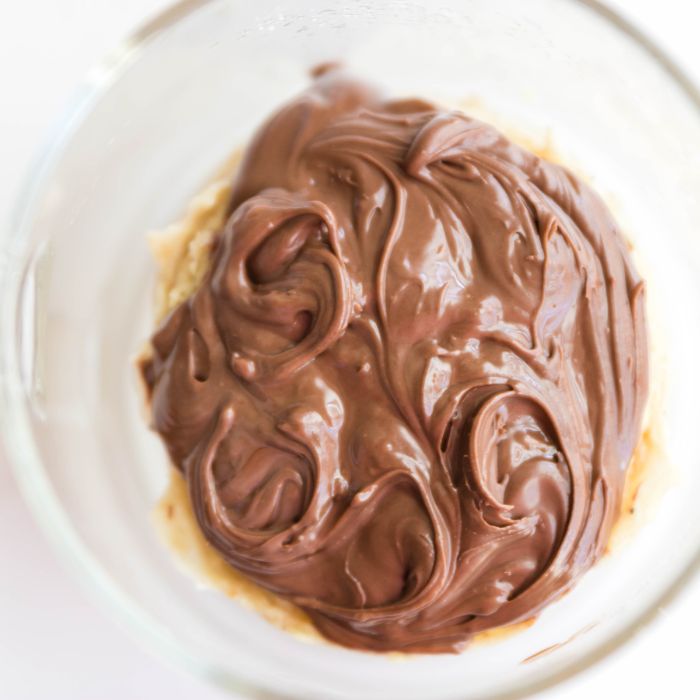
406,394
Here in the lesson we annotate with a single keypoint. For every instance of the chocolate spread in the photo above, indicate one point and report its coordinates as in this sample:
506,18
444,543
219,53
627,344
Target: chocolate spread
406,394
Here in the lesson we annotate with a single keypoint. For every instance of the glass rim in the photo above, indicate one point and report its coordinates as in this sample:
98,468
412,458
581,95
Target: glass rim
18,446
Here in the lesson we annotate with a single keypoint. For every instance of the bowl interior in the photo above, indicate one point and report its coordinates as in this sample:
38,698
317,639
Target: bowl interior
158,123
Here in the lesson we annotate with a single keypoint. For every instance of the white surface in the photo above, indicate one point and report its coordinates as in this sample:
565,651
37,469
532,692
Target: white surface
55,643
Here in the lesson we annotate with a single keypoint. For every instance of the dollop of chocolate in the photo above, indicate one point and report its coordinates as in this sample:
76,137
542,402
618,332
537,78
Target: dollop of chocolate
406,394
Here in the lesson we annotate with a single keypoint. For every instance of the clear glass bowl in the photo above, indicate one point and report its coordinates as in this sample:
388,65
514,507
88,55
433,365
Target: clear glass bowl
153,123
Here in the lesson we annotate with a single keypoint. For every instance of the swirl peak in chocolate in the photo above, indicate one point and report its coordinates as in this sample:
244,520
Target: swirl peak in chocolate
407,392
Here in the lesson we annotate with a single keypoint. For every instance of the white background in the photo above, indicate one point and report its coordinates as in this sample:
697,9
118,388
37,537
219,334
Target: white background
54,643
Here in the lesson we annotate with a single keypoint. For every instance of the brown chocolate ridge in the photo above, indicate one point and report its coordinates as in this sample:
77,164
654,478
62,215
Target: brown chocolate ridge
408,389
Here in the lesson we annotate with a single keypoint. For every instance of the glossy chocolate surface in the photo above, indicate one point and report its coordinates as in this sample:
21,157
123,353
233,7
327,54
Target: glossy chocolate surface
407,392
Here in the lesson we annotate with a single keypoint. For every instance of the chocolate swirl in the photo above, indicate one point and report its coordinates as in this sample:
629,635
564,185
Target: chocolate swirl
407,392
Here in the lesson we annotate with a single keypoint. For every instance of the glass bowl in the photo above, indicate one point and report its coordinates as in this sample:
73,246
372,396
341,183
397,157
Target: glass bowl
154,122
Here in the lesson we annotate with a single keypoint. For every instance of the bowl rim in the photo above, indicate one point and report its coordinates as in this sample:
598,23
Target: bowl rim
21,454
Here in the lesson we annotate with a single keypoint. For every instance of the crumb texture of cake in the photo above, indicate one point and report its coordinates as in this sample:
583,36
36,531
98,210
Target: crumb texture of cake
402,369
